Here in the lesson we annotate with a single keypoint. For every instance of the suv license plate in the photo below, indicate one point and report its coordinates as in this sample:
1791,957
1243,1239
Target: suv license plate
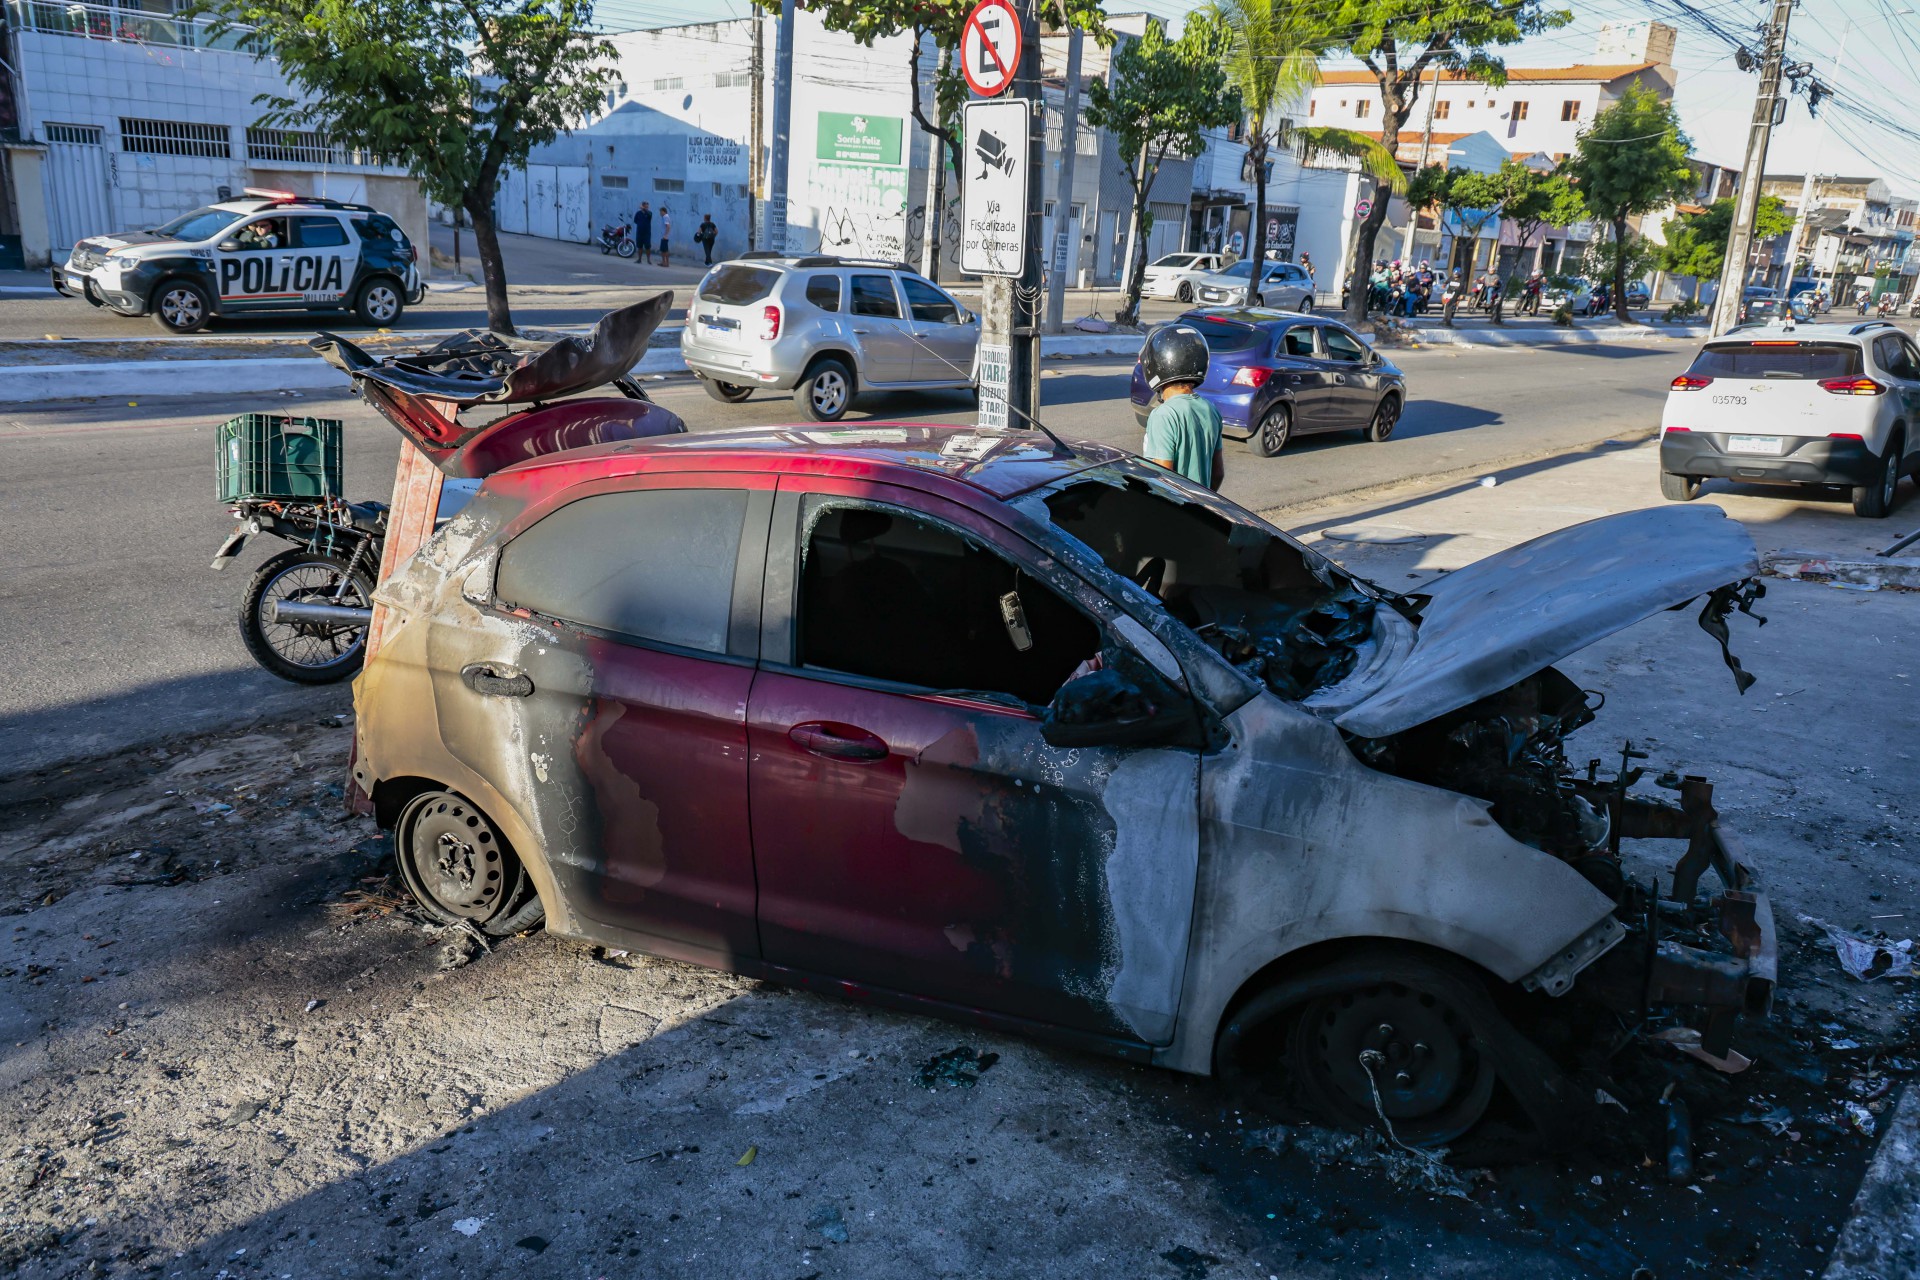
1754,444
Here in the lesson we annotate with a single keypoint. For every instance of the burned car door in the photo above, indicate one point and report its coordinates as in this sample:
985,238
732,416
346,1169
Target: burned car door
913,829
602,690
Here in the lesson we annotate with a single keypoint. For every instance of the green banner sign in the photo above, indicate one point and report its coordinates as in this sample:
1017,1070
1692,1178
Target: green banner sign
859,139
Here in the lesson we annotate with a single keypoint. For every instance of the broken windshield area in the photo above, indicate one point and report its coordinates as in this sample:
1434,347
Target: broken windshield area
1279,613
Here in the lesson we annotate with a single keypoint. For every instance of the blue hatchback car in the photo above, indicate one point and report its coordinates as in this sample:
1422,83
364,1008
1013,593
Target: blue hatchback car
1275,374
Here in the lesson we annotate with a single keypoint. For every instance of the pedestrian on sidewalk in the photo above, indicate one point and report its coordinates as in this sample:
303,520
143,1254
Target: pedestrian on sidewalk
643,233
666,234
1183,431
705,234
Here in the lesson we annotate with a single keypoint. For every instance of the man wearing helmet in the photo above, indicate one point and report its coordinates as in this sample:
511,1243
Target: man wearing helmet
1183,431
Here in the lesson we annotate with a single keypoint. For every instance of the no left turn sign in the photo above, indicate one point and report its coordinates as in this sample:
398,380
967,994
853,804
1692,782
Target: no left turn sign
990,47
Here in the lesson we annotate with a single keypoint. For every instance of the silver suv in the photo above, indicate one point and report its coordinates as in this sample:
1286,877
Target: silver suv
825,328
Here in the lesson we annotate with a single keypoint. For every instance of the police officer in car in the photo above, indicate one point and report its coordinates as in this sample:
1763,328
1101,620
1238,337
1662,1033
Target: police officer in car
259,235
1183,431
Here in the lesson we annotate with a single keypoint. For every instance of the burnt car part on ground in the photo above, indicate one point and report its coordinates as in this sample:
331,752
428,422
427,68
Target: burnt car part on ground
1046,739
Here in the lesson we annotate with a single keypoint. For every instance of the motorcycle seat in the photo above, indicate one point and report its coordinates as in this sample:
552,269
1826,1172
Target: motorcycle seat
368,517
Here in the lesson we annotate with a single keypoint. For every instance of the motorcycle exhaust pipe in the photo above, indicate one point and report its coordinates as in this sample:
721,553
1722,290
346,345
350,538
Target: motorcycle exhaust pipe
300,611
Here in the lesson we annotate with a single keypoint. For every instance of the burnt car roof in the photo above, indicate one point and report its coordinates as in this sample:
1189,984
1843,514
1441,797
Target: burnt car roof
1001,463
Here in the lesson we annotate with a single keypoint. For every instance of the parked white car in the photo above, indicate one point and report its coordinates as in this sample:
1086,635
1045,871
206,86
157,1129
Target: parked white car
1808,404
1177,275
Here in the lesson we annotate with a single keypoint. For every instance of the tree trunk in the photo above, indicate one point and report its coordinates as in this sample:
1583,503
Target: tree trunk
1257,233
1135,276
1620,271
493,271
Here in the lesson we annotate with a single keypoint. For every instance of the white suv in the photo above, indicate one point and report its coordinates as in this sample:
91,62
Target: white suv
1812,404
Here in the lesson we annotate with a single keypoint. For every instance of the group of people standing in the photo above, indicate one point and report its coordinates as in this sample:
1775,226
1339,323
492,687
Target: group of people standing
643,223
1399,289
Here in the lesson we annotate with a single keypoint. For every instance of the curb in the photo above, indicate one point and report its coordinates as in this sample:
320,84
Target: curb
1870,574
1881,1239
1551,337
28,384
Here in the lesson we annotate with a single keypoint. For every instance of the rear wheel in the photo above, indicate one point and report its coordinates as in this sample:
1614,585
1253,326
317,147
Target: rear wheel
1385,418
1185,292
1679,488
457,866
1271,436
1306,304
825,394
305,652
1876,500
727,391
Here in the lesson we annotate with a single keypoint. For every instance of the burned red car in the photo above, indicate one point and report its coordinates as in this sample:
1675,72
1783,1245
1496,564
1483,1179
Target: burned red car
1038,736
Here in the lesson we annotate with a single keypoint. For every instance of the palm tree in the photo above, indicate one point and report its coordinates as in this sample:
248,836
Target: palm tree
1273,50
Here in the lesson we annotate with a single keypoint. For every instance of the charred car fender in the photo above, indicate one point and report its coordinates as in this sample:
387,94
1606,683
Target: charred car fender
1302,844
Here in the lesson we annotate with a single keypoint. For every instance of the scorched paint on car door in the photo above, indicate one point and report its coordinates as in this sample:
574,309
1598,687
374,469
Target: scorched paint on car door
912,830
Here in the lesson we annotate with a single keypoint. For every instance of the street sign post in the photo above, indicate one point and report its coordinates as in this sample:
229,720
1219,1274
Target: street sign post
993,200
990,47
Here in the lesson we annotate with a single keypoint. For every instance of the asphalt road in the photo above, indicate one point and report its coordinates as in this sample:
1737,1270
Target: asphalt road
116,631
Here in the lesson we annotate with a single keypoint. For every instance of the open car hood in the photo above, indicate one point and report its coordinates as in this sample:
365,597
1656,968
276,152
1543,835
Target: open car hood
1503,618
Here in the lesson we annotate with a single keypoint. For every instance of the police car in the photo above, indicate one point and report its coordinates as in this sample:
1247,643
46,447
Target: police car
271,251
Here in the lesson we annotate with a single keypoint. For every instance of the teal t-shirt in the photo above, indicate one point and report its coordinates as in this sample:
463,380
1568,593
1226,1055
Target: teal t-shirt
1186,429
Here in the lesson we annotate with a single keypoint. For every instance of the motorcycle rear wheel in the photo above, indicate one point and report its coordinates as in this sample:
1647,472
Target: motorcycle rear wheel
304,653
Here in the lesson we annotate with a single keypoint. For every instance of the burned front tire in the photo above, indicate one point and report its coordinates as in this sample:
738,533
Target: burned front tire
305,652
459,868
1389,1038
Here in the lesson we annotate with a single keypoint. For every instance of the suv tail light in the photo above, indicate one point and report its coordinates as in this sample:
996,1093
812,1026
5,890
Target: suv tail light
1251,375
1852,386
1691,382
769,323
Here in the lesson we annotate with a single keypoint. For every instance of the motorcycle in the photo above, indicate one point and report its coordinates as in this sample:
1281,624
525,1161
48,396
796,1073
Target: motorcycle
305,613
1886,305
618,240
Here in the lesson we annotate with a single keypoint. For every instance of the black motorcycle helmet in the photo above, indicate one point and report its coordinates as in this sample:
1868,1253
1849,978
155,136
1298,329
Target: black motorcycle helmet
1173,353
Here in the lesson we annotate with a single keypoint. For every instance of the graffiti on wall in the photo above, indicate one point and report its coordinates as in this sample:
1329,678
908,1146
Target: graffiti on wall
862,211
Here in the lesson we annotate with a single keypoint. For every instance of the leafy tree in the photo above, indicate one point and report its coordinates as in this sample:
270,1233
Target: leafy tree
1541,200
1631,161
1607,259
453,90
1272,58
1399,40
943,22
1697,242
1165,94
1477,198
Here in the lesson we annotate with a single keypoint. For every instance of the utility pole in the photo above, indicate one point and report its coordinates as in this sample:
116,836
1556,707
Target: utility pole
1426,143
1063,224
782,131
1768,107
936,178
1010,305
756,131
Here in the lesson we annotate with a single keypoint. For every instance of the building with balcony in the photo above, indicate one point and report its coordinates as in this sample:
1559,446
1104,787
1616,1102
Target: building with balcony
123,115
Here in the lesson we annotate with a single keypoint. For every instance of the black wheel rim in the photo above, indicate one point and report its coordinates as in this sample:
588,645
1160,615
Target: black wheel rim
455,861
1385,418
313,645
1890,482
1273,431
1408,1047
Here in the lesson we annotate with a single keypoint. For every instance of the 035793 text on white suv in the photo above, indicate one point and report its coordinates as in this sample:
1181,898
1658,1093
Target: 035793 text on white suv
1810,404
825,328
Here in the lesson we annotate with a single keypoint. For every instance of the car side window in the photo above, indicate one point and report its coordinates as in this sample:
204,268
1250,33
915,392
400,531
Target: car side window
824,292
258,234
1298,341
318,233
648,564
1891,354
1913,359
889,594
378,226
873,296
929,305
1343,346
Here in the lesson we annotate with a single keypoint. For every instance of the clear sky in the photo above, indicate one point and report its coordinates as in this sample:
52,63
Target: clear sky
1881,71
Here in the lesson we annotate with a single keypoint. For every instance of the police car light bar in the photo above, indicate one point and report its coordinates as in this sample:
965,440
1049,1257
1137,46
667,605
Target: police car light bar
266,193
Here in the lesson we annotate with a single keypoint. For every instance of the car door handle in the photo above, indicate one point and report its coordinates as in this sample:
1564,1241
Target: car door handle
838,742
496,681
863,331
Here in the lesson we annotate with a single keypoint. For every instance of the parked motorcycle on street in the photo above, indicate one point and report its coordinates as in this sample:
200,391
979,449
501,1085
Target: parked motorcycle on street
618,240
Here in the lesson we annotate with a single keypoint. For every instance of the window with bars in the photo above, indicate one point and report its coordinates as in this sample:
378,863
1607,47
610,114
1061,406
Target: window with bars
176,138
88,135
669,82
728,79
669,184
291,146
614,181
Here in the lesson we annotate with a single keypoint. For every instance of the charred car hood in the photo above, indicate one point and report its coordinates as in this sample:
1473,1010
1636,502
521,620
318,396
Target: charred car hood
1503,618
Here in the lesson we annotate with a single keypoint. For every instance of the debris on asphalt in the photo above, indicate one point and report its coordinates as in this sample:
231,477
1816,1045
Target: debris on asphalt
1687,1041
747,1158
1776,1121
314,1004
1859,1118
1423,1170
469,1226
1679,1138
1190,1264
826,1219
958,1067
533,1244
1867,958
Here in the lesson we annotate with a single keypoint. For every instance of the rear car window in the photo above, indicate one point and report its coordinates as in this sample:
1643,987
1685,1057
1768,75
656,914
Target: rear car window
824,292
651,564
1224,335
735,285
379,227
1297,342
873,296
318,233
1777,360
